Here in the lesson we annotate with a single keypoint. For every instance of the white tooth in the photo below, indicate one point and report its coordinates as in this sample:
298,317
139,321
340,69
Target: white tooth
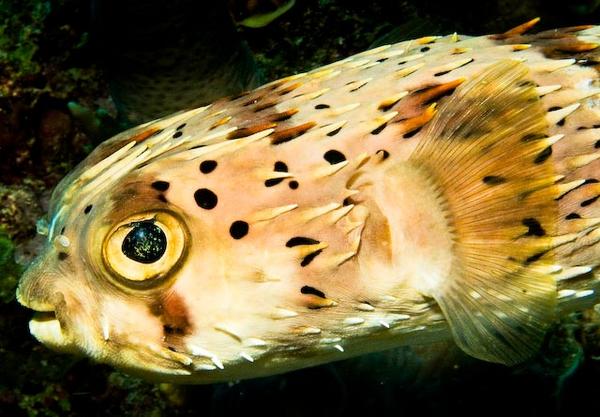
48,332
205,367
339,347
311,330
254,342
217,362
351,321
328,340
573,272
105,329
557,115
282,313
541,91
565,293
384,324
247,357
584,293
199,351
365,307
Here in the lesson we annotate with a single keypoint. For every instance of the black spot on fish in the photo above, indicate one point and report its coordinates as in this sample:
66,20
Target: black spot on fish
177,134
280,167
572,216
238,229
494,180
439,74
543,155
282,136
534,258
322,106
535,228
208,166
526,83
378,129
160,185
62,256
273,181
334,157
597,144
425,49
181,126
87,209
358,88
383,153
293,184
334,132
312,291
310,257
301,240
205,198
410,134
533,136
589,202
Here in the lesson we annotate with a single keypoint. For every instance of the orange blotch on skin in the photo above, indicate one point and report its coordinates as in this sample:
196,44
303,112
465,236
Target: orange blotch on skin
142,136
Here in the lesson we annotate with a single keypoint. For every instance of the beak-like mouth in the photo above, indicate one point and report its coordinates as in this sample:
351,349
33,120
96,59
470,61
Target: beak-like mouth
45,327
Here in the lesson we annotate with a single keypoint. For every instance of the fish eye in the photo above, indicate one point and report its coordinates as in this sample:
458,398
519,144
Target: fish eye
145,243
144,248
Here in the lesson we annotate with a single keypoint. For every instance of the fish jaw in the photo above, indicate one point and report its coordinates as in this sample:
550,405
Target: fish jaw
51,323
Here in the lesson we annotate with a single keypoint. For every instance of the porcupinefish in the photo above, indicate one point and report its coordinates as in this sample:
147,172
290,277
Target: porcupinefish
445,186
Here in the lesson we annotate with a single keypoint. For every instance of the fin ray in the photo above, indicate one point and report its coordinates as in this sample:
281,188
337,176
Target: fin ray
479,156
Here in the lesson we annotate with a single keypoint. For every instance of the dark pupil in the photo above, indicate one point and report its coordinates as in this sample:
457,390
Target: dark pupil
145,243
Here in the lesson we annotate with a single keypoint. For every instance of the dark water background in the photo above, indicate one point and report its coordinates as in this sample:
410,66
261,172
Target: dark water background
48,59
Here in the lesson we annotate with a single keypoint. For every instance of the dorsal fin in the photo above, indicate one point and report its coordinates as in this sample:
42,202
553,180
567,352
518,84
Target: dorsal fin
488,155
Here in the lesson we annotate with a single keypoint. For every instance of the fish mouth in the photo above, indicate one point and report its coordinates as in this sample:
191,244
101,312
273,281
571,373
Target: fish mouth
49,330
46,328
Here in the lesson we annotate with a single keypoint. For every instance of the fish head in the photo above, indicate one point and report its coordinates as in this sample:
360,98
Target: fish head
153,285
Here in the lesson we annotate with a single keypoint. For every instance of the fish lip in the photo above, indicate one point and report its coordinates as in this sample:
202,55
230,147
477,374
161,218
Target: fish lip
48,329
47,324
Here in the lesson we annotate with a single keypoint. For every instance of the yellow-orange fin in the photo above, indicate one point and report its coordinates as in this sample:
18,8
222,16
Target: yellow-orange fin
485,153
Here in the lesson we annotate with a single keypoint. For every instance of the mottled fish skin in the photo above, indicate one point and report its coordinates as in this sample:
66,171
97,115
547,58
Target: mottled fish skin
283,250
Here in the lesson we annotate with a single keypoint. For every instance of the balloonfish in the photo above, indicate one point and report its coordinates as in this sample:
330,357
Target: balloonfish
434,188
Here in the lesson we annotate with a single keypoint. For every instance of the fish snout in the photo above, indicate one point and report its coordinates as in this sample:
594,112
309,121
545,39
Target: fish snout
37,291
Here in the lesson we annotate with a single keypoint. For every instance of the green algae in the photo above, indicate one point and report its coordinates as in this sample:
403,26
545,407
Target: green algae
20,31
10,271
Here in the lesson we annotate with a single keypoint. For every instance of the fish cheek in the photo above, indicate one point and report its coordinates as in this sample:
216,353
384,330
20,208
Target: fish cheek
174,316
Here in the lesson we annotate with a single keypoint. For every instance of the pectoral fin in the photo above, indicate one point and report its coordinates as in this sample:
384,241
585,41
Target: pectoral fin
488,155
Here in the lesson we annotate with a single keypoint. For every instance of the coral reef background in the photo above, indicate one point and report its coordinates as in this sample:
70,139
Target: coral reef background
48,63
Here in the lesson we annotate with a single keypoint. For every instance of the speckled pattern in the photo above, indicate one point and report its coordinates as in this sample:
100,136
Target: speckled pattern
280,258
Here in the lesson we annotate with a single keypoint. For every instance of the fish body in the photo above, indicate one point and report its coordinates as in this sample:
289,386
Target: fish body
435,187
